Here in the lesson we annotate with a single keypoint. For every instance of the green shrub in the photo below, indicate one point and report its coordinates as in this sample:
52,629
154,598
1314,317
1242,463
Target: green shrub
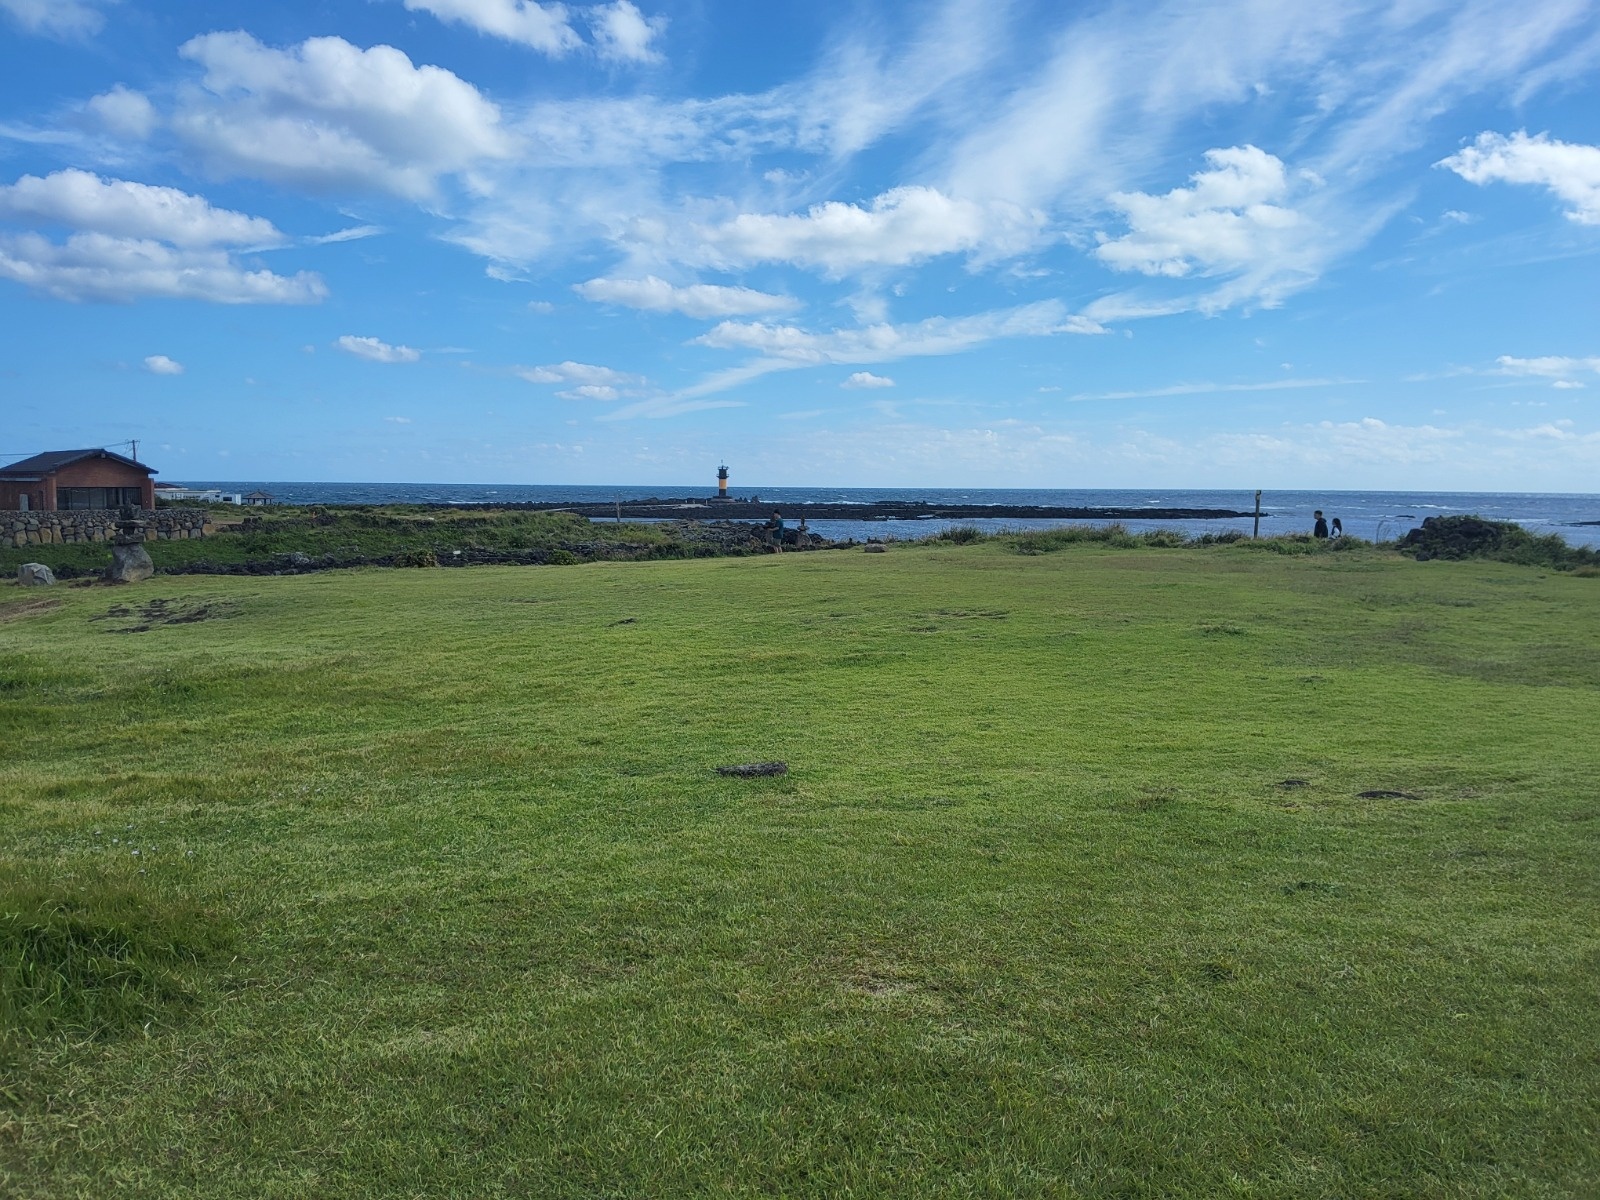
1461,537
561,558
961,535
416,558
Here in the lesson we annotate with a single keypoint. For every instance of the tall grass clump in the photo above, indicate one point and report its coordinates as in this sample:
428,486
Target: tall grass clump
1047,541
99,958
961,535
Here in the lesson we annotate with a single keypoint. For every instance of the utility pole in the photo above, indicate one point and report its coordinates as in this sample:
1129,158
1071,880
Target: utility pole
134,442
1256,532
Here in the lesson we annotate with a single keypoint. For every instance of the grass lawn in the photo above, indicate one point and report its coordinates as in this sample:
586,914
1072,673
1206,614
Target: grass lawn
438,893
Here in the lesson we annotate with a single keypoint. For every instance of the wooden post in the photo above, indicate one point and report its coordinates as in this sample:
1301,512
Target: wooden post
619,511
1256,531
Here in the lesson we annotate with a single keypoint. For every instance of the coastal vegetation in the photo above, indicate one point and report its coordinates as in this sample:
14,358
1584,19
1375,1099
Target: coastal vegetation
1100,867
397,535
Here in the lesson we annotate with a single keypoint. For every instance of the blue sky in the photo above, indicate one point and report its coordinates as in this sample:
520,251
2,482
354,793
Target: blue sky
1209,243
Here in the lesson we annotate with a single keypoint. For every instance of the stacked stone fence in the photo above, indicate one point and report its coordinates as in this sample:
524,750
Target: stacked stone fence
99,525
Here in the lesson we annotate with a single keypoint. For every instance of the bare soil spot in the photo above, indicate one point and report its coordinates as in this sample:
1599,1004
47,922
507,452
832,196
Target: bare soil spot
145,617
17,610
754,770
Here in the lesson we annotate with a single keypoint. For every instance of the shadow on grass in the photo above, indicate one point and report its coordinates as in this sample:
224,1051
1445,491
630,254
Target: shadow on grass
100,956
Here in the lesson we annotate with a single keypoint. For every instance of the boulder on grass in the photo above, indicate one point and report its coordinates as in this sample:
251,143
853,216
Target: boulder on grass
130,564
35,575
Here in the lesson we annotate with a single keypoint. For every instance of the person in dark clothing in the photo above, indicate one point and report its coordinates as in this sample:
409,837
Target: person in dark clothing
1320,529
1338,528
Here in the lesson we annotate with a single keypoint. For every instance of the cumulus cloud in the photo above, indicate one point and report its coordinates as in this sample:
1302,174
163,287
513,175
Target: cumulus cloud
93,266
121,208
1226,221
591,391
703,300
373,350
866,379
58,18
545,27
902,226
135,239
326,115
123,112
623,33
1570,170
160,364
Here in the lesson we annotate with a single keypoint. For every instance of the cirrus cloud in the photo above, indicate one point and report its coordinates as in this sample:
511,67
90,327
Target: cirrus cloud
693,300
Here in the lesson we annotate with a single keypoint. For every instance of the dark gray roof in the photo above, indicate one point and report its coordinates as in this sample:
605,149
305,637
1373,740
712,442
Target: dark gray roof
54,460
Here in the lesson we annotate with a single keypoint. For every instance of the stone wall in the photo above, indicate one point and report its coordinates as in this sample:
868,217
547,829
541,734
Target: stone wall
98,525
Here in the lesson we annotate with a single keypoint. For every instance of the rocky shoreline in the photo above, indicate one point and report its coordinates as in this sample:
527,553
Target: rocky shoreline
754,509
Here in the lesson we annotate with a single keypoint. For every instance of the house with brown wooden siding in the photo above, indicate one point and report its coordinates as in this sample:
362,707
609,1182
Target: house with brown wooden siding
63,480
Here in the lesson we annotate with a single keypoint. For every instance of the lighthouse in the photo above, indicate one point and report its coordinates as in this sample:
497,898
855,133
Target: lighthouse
722,482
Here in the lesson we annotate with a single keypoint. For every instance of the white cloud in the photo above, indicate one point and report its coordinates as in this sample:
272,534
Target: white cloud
123,112
135,239
1566,383
1550,366
575,372
398,420
902,226
80,200
1206,389
1229,222
623,33
788,348
373,350
160,364
353,234
591,391
94,266
866,379
1570,170
326,115
887,343
61,18
694,300
545,27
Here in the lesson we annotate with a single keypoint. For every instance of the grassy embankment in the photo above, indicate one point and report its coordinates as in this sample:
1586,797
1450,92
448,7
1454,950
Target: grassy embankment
352,534
441,896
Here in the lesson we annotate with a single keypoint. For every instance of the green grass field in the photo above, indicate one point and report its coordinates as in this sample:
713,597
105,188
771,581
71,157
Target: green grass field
438,892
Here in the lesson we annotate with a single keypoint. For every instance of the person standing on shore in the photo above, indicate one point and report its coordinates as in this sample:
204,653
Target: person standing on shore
1320,529
1338,528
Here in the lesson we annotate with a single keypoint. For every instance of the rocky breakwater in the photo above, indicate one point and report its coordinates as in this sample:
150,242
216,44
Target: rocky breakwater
99,525
691,509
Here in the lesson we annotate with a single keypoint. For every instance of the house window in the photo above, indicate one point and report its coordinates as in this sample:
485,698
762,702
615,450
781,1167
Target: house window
93,497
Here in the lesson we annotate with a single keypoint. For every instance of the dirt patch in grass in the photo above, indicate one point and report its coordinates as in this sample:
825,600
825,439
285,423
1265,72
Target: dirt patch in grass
17,610
143,618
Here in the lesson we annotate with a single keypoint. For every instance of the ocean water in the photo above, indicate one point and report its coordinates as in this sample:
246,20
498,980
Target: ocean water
1373,515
